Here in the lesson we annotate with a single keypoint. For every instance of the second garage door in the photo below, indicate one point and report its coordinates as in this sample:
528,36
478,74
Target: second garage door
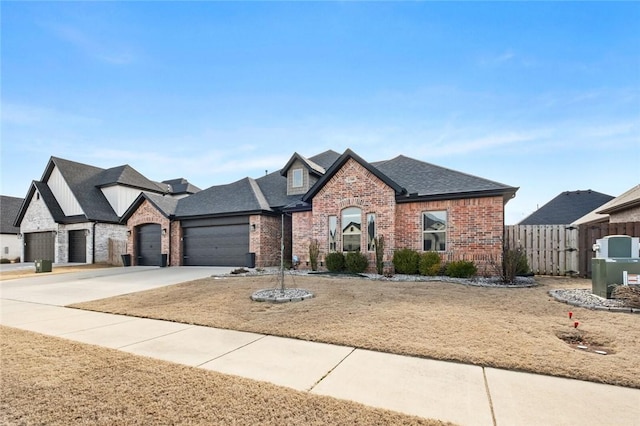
219,243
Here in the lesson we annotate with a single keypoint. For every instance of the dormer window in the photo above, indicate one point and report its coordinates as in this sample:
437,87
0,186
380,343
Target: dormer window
297,178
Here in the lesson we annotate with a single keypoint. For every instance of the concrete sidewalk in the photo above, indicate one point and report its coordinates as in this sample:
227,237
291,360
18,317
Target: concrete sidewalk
459,393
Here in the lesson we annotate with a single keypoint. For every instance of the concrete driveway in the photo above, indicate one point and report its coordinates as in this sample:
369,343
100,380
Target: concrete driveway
92,284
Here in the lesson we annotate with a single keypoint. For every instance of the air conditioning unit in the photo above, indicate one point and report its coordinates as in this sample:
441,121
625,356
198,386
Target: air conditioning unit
618,246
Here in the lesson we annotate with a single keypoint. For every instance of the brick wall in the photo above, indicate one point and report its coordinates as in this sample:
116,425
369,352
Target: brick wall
351,186
264,239
145,214
474,230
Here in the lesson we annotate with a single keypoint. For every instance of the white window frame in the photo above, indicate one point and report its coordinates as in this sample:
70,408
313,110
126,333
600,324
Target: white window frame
438,228
297,178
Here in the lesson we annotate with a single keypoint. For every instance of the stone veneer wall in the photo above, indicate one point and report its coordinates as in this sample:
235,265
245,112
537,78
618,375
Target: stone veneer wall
475,228
264,239
104,232
351,186
145,214
37,218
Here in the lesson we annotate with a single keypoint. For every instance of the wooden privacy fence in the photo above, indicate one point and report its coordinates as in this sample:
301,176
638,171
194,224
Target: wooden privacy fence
550,249
116,249
563,249
589,233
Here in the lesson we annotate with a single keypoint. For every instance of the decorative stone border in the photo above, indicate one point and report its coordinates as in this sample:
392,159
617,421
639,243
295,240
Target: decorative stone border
279,296
584,299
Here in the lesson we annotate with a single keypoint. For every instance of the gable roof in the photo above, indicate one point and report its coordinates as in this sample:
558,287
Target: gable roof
337,165
428,181
415,180
127,176
313,168
165,205
9,209
566,207
181,186
627,199
240,197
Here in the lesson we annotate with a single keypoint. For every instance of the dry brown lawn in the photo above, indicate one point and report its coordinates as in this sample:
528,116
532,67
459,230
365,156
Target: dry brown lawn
31,272
511,328
47,380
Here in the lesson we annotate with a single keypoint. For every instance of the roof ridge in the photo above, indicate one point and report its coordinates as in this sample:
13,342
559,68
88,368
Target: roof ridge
262,200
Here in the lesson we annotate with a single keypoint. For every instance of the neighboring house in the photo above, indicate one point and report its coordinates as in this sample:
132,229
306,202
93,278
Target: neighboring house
10,243
566,208
624,208
73,212
328,198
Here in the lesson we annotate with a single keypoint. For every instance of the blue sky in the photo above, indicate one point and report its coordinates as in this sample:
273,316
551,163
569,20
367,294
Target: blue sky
542,96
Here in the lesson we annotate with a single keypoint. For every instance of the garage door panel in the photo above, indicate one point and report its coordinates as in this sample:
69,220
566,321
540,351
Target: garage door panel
216,245
77,246
39,245
149,245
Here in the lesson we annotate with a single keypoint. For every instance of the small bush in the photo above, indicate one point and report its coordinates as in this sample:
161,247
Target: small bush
314,253
335,261
356,262
406,261
4,260
461,269
379,242
429,263
514,263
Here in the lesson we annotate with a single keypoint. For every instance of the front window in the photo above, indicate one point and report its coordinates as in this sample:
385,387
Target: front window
333,227
371,232
297,178
351,229
434,230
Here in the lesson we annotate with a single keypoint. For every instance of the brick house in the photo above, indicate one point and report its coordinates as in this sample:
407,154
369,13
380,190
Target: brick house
341,201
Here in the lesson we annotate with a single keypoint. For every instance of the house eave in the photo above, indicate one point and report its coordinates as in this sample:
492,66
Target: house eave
413,198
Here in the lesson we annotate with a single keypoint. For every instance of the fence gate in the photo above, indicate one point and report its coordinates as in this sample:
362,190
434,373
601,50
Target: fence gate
550,249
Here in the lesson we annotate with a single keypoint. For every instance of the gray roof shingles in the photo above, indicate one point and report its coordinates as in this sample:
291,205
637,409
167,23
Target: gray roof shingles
9,208
565,208
236,197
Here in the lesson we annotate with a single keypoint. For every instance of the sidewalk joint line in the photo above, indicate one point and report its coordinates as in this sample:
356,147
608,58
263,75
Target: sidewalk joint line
231,351
486,386
331,370
159,336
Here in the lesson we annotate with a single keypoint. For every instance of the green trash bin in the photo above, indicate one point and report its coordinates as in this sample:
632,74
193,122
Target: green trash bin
43,265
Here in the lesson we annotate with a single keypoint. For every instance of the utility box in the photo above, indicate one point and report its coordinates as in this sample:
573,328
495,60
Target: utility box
43,265
608,272
617,246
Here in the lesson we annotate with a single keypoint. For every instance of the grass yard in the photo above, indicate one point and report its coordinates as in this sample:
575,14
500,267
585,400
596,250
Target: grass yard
55,269
52,381
511,328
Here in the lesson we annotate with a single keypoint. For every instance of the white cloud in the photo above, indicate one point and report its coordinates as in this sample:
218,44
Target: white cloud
105,51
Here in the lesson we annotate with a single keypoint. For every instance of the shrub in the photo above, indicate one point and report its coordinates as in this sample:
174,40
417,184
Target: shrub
379,242
314,253
429,263
514,263
461,269
356,262
5,260
406,261
335,261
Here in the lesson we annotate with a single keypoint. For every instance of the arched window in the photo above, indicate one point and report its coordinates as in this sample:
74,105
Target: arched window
351,228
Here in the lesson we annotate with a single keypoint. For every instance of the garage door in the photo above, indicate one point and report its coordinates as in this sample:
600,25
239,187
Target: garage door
149,244
216,245
39,245
77,246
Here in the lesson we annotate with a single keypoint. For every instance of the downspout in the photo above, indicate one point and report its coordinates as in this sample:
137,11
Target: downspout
169,254
93,243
